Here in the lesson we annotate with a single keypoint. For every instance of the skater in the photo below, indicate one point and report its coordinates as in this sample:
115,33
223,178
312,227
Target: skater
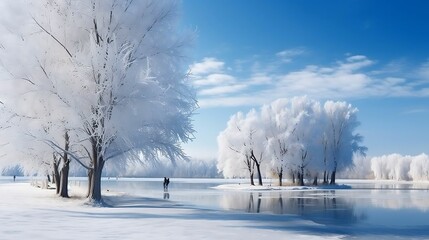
166,182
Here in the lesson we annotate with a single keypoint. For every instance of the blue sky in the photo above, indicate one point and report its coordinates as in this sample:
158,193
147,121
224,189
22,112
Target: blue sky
372,54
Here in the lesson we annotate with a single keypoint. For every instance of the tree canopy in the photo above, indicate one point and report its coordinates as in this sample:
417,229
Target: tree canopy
299,137
111,75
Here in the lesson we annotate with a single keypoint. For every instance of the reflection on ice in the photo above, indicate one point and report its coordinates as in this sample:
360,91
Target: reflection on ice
401,199
324,208
166,195
251,206
368,203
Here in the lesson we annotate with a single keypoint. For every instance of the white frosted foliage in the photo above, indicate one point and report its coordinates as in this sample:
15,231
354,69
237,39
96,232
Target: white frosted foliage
398,167
110,73
297,135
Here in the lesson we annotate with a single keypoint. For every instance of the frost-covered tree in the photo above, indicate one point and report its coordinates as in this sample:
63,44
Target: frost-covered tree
341,139
242,146
116,68
419,168
399,167
279,133
297,134
281,118
34,121
304,148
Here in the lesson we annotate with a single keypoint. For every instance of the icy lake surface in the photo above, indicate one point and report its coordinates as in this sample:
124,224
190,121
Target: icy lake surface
374,205
380,209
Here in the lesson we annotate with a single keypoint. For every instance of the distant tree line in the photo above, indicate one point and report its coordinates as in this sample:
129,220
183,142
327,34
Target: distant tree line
192,168
400,167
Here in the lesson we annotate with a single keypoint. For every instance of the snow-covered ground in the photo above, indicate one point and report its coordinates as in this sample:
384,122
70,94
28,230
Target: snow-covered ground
33,213
136,210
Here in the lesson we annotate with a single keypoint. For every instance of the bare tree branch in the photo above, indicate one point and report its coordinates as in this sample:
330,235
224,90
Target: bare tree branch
53,37
54,145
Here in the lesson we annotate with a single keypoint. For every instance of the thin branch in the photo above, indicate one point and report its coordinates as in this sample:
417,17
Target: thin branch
52,144
28,80
87,152
53,37
43,69
128,5
118,153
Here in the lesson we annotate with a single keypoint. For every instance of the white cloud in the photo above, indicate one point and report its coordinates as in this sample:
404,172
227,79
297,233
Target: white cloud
232,101
291,52
357,58
214,79
208,65
344,77
416,111
423,71
288,54
393,67
260,79
222,90
354,77
354,63
424,92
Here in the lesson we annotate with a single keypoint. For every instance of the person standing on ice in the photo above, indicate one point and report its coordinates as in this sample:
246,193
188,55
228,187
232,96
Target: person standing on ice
166,182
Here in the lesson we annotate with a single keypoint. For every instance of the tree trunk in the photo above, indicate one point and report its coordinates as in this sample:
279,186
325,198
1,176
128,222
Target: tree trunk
64,182
315,181
301,177
56,178
95,183
333,178
252,182
258,168
53,177
293,177
298,176
281,178
325,177
334,172
90,173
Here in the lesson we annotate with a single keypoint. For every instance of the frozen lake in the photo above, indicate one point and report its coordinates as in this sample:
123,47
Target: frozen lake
375,207
369,209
